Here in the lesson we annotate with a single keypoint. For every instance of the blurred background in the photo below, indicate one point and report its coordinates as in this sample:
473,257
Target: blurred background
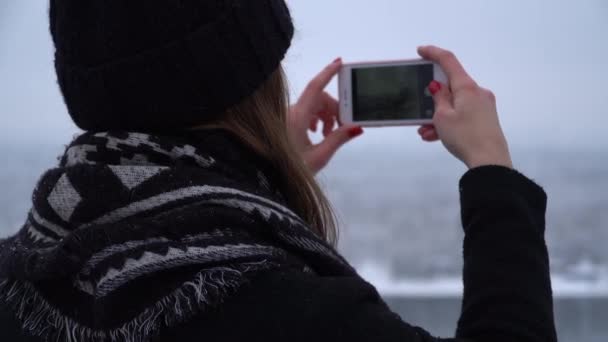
397,197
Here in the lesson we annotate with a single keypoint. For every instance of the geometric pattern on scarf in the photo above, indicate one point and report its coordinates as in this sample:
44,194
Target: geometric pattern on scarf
196,217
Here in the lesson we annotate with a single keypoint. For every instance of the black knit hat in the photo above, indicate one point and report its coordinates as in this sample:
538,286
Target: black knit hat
163,64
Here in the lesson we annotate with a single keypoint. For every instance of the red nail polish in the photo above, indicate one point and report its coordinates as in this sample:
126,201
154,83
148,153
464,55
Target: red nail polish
355,132
434,87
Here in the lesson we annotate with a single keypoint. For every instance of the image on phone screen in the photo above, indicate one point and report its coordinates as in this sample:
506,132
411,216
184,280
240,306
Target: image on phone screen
392,93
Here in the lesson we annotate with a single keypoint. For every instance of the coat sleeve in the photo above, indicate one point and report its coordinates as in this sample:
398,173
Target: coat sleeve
507,286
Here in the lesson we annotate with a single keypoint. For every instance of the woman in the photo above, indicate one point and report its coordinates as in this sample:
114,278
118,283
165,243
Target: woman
188,212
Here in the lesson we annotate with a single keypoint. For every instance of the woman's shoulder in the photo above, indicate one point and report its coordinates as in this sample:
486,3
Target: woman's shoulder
299,307
309,293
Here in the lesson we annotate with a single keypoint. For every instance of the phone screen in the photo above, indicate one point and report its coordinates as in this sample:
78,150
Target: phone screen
392,93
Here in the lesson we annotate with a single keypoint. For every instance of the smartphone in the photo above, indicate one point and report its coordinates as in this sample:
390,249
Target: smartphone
390,93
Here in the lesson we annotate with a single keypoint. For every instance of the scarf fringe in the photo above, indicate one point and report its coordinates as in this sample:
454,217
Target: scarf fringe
41,319
123,205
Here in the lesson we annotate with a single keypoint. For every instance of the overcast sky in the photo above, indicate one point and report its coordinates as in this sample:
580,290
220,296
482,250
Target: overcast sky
547,60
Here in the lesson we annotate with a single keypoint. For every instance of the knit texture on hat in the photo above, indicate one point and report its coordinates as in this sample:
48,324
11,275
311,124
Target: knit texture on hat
166,64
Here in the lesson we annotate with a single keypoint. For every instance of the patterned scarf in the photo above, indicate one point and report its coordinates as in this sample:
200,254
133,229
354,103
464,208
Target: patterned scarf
133,233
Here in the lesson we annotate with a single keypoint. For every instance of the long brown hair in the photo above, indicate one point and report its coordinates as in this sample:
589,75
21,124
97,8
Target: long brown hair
261,122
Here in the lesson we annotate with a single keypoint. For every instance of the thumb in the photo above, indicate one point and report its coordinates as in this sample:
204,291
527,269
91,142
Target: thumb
325,150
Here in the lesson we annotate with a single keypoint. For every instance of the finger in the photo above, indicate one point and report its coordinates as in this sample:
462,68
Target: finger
330,115
425,128
442,96
328,125
321,81
330,105
314,124
456,73
325,150
424,131
430,136
427,131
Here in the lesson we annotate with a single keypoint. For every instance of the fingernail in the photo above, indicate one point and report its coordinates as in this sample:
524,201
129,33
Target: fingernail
355,132
337,60
434,87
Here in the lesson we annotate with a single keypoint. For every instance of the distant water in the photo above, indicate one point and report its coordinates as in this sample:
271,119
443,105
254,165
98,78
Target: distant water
400,225
401,216
577,319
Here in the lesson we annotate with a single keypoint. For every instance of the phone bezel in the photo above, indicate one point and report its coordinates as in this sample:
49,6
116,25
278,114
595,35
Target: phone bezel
345,91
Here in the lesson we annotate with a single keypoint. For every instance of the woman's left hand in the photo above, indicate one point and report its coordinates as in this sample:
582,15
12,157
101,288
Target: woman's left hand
317,105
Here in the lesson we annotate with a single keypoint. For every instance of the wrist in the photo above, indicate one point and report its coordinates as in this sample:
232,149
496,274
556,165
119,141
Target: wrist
490,160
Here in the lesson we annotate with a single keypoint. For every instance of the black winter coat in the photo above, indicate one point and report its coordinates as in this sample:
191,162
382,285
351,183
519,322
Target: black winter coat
507,288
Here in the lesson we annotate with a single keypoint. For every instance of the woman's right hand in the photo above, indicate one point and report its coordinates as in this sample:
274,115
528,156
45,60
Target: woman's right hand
466,119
